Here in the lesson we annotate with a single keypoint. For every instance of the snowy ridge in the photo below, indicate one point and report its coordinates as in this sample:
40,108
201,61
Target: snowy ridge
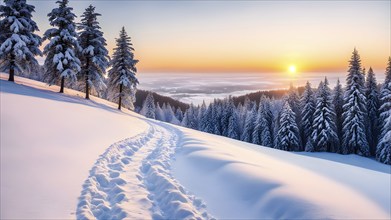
132,179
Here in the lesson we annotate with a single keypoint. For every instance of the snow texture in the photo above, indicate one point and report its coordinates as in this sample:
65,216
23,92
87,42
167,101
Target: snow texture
152,170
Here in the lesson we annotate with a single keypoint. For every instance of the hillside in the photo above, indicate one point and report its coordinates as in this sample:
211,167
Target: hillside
66,157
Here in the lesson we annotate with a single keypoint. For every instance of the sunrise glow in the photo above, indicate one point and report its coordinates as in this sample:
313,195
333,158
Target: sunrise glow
292,69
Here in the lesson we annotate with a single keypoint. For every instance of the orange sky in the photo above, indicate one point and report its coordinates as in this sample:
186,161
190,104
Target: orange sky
245,36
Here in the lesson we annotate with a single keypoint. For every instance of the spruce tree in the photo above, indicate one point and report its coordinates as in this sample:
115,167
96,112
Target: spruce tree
18,43
249,125
324,136
179,114
338,109
294,103
372,96
257,132
202,117
263,131
354,135
383,149
207,120
159,114
94,55
216,118
148,109
122,75
233,126
288,134
61,52
307,113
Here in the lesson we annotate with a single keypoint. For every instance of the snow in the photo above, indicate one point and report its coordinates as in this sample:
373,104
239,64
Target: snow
66,157
240,180
49,142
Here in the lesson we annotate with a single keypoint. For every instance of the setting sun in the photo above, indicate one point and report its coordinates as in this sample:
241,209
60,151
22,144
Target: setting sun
292,69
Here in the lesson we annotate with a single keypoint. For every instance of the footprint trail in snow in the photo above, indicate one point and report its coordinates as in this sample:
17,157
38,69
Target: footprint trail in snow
132,179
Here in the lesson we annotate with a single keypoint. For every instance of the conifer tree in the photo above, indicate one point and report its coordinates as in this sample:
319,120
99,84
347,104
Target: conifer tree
354,135
179,114
257,132
18,43
207,120
202,117
338,109
148,109
243,109
383,149
249,125
233,126
122,75
324,136
308,103
372,96
288,134
216,118
94,55
159,114
294,103
384,146
263,132
61,52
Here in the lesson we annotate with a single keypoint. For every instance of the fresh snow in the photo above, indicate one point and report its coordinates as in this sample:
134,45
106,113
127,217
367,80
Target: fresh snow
66,157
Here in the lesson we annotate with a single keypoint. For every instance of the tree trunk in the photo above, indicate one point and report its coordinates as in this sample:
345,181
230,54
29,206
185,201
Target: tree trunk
120,96
87,88
62,84
12,69
87,75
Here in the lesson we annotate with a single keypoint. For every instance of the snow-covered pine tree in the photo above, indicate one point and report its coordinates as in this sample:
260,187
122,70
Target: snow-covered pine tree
61,52
18,43
385,105
257,132
242,112
354,136
148,109
294,102
338,109
233,125
266,122
122,75
94,55
216,118
262,133
190,117
206,120
159,114
324,136
384,145
383,149
179,114
249,125
202,117
372,95
288,134
170,115
307,113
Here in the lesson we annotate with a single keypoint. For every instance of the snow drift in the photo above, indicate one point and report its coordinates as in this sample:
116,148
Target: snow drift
65,157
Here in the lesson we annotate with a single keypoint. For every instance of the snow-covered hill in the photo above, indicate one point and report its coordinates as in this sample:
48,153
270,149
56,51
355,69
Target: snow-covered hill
65,157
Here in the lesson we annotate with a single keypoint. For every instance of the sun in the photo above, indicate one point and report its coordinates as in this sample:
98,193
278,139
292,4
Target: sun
292,69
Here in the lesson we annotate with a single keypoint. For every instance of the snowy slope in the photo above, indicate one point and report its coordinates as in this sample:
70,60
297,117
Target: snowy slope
64,157
49,142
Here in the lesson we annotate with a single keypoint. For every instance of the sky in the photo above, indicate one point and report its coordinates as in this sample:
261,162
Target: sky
243,36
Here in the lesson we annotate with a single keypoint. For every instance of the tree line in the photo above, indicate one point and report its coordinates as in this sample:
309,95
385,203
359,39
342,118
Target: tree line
355,119
75,52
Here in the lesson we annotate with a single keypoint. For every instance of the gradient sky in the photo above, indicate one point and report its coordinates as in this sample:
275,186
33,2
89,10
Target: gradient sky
244,36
